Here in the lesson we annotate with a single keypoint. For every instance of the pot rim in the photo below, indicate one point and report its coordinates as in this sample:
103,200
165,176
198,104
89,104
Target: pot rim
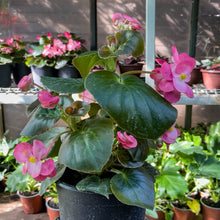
208,205
180,208
210,71
47,204
18,193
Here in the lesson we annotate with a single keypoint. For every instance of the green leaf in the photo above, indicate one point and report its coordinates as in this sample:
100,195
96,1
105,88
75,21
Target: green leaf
170,182
47,182
213,144
209,167
5,58
185,147
134,187
87,60
16,180
95,184
152,213
40,121
38,50
32,107
130,42
126,159
48,137
63,85
134,105
61,63
88,149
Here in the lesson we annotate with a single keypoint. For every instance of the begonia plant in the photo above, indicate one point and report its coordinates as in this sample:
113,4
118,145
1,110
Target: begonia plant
108,132
55,51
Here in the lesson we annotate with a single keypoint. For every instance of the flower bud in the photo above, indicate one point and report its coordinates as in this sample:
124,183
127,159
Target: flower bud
77,104
70,110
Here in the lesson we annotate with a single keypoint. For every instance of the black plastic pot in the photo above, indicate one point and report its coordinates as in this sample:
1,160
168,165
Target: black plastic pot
20,70
37,72
77,205
5,75
69,71
130,67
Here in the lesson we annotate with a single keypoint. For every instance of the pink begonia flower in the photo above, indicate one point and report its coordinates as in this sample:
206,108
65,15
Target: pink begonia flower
67,35
10,41
7,50
73,45
26,83
171,79
32,158
124,22
47,100
127,141
86,96
170,135
38,37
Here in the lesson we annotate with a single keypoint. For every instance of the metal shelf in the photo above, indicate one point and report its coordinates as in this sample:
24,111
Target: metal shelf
202,96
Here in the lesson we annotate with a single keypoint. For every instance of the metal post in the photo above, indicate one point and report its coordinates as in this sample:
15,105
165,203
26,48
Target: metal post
93,24
150,40
1,122
192,52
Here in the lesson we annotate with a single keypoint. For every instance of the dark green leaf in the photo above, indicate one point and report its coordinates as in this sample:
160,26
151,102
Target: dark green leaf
87,60
134,105
94,108
63,85
32,107
89,149
134,187
40,121
95,184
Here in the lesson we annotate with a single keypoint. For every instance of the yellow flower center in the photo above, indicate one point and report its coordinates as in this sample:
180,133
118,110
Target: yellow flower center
170,129
32,159
182,76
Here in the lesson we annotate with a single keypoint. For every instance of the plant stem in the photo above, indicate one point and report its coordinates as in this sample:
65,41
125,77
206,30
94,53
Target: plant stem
134,72
40,87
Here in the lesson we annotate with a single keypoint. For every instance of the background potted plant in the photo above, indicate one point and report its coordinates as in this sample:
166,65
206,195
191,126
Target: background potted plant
52,56
52,202
103,146
27,189
211,73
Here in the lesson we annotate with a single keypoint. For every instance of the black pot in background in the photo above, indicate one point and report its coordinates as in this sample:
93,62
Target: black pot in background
87,205
68,71
5,75
20,70
131,67
37,72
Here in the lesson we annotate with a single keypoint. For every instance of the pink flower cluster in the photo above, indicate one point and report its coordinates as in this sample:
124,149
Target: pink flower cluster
58,48
32,157
170,135
11,44
124,22
171,79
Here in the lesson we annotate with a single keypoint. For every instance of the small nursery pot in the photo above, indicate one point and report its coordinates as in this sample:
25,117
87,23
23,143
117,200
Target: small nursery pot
211,78
52,212
183,214
208,212
31,204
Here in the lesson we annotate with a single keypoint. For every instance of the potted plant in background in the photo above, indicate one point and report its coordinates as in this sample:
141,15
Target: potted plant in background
130,63
211,73
103,146
27,189
196,74
52,202
5,64
52,56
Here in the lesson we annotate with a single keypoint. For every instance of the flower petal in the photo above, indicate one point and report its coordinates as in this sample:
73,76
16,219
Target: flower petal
34,168
39,150
47,167
22,152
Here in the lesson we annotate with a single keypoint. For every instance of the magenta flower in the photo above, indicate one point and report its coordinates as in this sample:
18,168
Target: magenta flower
26,83
67,35
171,79
170,135
73,45
47,100
32,157
124,22
127,141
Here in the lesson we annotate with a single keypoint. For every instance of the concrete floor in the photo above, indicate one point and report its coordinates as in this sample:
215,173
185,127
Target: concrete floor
11,209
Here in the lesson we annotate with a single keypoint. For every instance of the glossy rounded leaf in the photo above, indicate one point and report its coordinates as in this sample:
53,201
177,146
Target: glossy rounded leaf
134,187
134,105
88,149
